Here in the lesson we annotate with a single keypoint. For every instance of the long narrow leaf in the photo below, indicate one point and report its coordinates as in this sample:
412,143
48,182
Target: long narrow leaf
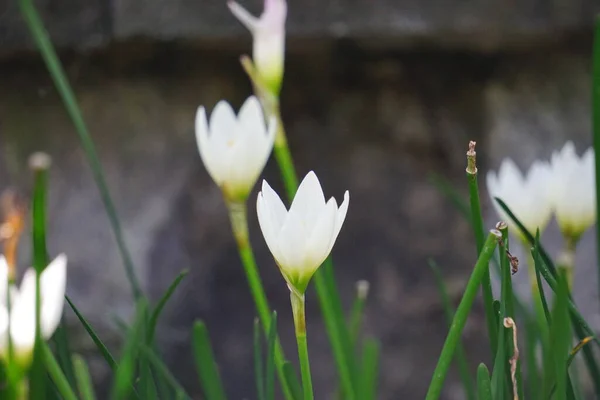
560,337
292,380
461,358
206,364
484,385
42,40
99,345
258,361
367,388
270,369
57,375
162,369
162,303
84,380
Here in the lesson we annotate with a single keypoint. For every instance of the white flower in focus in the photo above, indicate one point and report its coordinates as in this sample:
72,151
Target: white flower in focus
233,149
300,239
573,190
21,313
526,197
268,33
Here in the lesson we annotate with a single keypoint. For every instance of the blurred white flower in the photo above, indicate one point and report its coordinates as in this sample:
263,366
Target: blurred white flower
527,197
233,149
300,239
573,190
268,33
21,312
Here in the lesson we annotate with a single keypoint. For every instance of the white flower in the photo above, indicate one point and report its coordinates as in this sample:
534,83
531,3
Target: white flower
573,190
526,197
235,150
300,239
21,313
268,33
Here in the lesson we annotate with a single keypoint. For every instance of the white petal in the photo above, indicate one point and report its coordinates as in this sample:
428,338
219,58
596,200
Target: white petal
212,162
251,116
321,239
53,286
3,331
222,123
3,280
292,245
275,205
268,227
309,200
340,218
247,19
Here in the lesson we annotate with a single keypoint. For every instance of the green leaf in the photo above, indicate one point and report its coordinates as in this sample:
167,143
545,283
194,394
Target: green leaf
99,345
164,372
270,371
560,338
37,374
292,379
460,318
125,374
59,379
537,262
367,386
206,365
461,359
258,361
63,352
161,304
484,385
44,44
84,380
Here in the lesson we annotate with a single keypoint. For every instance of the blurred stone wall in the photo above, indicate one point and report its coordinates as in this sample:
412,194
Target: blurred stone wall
379,94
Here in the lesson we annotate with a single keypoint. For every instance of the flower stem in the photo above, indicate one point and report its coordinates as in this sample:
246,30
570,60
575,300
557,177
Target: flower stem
460,318
477,222
239,223
596,123
300,324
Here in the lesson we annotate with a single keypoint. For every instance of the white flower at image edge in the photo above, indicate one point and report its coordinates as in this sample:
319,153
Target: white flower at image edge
233,149
268,34
22,310
300,239
526,197
573,190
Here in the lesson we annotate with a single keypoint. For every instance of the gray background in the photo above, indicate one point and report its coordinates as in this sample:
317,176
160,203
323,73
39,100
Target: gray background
378,95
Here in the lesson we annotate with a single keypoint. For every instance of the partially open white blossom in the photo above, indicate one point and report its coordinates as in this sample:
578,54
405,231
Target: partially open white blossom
235,149
21,312
300,239
573,190
268,34
526,196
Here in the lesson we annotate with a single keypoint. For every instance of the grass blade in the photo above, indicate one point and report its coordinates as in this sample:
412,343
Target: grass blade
90,331
367,387
477,224
560,338
357,311
292,379
461,358
124,375
84,380
206,365
59,379
270,370
484,385
162,303
164,372
596,123
42,40
460,318
258,361
537,262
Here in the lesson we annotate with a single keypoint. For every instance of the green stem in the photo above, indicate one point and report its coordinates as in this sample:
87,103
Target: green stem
300,325
460,318
596,124
238,216
58,377
59,77
477,222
